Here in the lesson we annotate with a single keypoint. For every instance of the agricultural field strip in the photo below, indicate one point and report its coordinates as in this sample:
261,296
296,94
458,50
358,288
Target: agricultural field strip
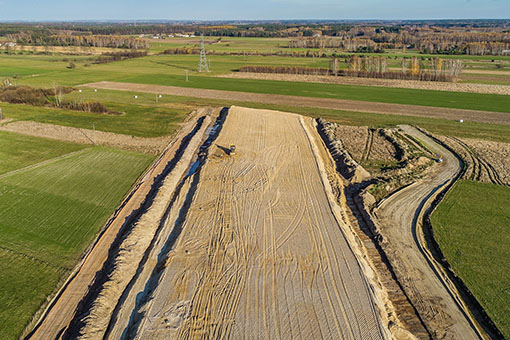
407,84
60,269
460,222
267,256
62,308
36,165
49,215
432,294
328,103
86,136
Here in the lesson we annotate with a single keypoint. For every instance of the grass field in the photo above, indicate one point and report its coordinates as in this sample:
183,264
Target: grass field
50,214
136,120
473,101
18,151
472,227
170,70
146,118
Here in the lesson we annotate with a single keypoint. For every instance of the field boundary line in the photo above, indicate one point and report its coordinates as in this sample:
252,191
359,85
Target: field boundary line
46,162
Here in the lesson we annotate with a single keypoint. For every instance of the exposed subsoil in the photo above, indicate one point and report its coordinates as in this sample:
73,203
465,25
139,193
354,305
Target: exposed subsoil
485,161
399,220
251,245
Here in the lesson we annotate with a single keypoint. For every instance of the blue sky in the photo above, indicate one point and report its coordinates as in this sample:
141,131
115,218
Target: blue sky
252,10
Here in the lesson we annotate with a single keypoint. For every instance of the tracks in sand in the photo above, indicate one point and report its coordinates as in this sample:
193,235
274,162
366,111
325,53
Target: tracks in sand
249,246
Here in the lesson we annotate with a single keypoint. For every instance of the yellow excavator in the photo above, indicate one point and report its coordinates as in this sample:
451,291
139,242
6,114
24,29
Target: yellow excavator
232,149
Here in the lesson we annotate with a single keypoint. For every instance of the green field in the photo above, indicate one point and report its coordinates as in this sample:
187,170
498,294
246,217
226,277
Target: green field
170,70
18,151
136,120
50,214
472,227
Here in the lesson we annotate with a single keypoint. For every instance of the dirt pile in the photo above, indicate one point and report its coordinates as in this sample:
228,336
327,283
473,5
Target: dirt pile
346,164
393,159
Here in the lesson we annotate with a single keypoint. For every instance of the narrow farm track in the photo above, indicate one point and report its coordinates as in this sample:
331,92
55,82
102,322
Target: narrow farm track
430,291
325,103
259,253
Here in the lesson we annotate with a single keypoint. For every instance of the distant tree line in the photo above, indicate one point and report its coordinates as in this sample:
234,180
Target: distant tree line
285,70
110,41
118,56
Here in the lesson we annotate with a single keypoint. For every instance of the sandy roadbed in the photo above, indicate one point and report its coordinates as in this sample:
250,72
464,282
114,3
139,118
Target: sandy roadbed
338,104
261,255
251,247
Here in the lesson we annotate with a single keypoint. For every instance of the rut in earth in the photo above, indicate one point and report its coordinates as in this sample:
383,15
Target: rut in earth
477,167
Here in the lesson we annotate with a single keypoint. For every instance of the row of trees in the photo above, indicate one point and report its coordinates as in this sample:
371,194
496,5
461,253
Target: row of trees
110,41
285,70
374,67
48,97
434,69
297,54
426,40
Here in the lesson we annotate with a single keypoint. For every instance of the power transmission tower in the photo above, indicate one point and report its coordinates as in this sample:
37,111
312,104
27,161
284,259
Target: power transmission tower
202,64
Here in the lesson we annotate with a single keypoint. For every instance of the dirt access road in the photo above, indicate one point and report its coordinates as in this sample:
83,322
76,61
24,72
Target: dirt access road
326,103
258,253
439,306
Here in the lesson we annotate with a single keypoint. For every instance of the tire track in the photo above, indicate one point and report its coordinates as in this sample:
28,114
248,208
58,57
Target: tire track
261,255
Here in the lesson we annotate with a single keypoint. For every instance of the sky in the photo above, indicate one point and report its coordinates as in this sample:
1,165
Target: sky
33,10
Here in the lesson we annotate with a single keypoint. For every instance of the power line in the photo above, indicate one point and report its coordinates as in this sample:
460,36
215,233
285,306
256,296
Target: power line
203,65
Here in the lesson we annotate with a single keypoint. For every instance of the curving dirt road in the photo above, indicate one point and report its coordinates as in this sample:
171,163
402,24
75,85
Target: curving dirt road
400,217
258,252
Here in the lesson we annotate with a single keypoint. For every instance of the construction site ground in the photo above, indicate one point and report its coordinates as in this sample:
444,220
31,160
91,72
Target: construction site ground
255,245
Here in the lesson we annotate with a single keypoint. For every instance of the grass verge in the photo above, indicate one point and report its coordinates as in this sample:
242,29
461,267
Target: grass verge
50,214
472,227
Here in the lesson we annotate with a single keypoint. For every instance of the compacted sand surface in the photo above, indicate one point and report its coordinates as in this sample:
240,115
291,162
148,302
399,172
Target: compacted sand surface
260,253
